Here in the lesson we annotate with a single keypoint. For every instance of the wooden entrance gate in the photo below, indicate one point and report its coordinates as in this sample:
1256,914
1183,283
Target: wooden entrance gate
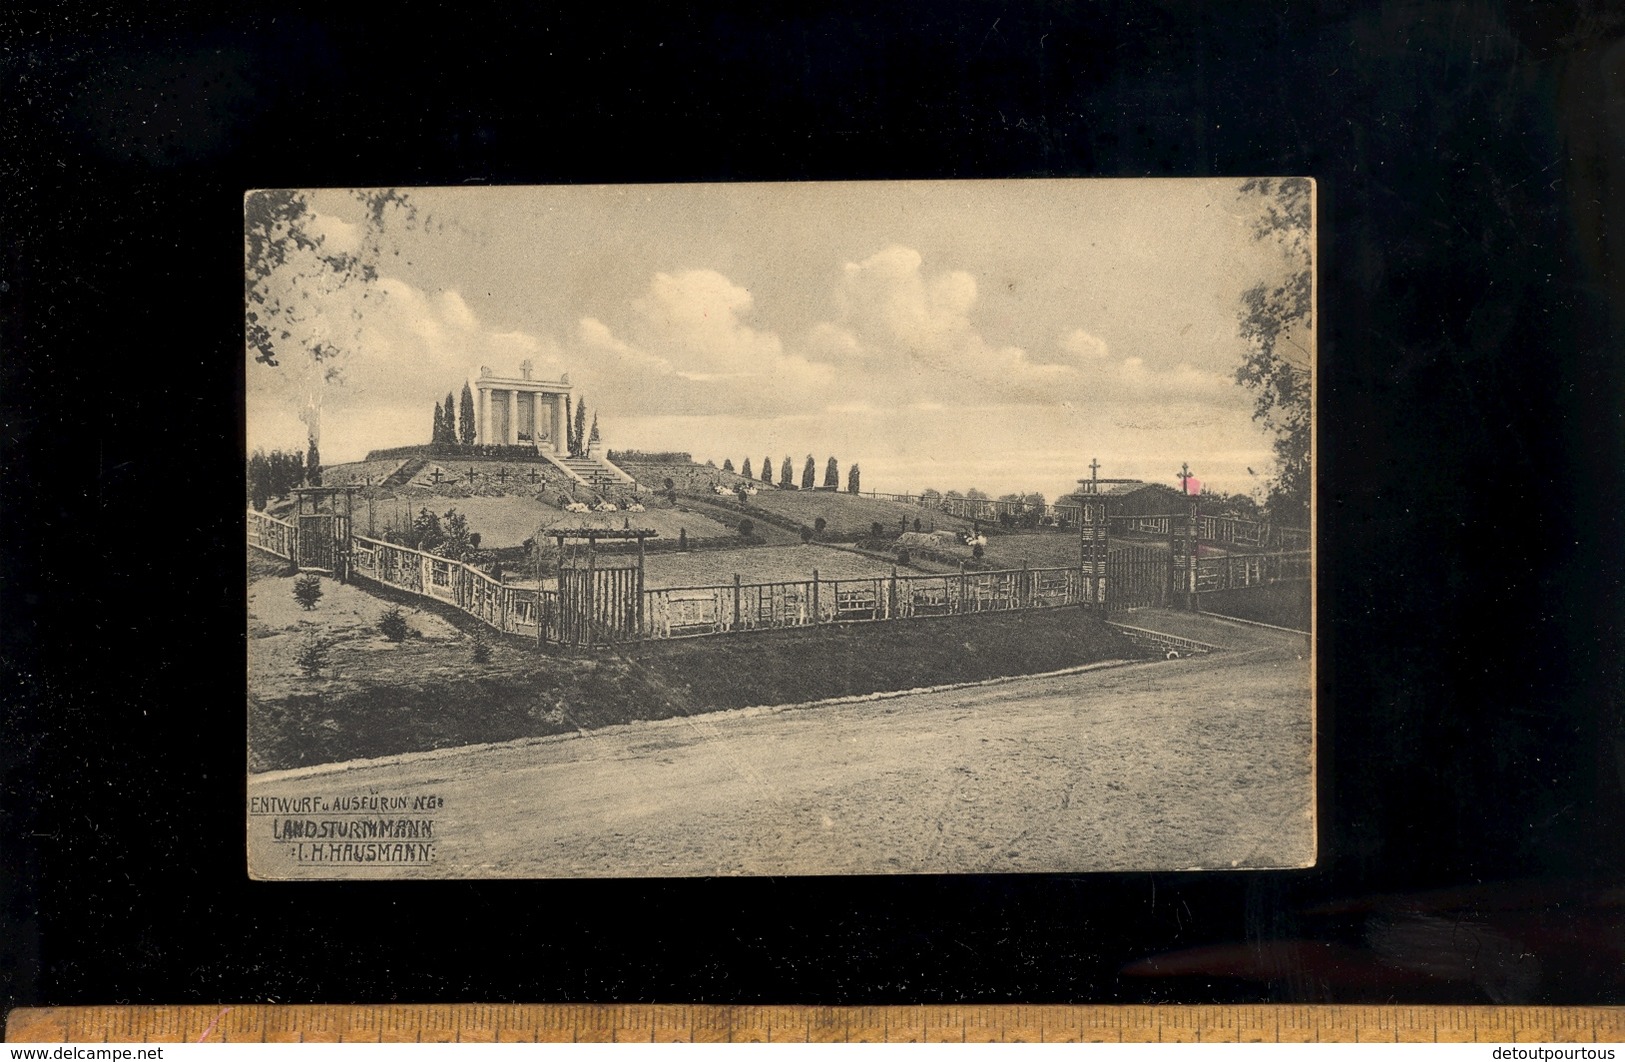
598,606
321,540
1138,577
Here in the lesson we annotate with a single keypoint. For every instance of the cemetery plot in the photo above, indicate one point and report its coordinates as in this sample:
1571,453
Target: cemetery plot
850,515
760,564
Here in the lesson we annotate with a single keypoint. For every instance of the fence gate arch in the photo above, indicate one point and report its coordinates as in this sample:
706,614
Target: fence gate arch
599,604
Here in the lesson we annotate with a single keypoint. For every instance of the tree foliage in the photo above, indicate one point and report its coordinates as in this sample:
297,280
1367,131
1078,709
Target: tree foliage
809,473
745,470
465,417
1275,320
787,474
852,479
832,474
767,470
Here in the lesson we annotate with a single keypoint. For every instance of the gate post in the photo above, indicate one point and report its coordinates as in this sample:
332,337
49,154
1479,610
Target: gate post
1193,502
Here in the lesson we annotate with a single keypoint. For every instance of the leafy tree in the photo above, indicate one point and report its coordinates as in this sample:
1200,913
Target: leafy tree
302,296
852,479
809,473
727,464
465,417
1275,319
426,531
456,542
975,495
767,470
832,475
931,497
259,480
745,470
786,474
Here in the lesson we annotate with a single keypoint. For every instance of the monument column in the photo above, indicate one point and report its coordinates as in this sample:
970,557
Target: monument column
561,430
482,419
536,405
513,418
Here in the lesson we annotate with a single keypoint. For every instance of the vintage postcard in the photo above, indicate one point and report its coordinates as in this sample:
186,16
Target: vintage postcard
764,529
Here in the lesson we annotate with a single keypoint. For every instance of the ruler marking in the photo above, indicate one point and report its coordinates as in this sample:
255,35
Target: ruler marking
689,1023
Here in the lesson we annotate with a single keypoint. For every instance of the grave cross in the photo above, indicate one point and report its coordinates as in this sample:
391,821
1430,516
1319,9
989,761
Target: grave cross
1094,468
533,477
436,477
502,475
1184,477
470,475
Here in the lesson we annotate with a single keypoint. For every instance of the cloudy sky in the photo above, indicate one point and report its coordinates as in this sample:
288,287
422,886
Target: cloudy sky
995,335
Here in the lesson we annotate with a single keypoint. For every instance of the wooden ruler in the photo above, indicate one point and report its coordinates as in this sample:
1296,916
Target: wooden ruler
710,1024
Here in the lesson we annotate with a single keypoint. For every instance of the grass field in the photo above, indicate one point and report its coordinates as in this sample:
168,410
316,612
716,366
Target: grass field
509,520
850,514
760,564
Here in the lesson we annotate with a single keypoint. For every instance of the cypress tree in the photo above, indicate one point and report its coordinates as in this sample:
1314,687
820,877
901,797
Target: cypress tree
852,480
767,470
313,464
727,464
593,437
809,473
450,426
746,472
581,428
439,426
465,427
787,475
832,474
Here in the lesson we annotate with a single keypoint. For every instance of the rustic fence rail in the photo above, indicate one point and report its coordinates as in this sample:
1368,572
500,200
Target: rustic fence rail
1226,530
270,534
681,612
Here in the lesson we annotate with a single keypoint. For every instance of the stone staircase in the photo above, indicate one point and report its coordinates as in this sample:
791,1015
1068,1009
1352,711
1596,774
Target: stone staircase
595,473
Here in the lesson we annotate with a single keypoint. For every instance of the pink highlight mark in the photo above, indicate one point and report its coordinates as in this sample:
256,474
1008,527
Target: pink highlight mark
223,1012
1193,485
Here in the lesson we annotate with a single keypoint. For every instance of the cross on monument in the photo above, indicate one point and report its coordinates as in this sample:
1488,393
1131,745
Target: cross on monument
1184,477
1094,469
525,368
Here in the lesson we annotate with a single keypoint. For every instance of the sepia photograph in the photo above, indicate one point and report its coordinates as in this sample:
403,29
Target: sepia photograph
936,527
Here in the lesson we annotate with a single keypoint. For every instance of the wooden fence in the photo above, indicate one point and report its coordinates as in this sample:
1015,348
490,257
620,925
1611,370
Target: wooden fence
1131,580
695,610
1222,530
274,536
510,609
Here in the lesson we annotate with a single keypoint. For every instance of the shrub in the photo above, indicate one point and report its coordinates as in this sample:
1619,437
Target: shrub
393,625
481,647
903,556
746,529
312,656
820,524
307,590
806,534
682,537
875,530
977,552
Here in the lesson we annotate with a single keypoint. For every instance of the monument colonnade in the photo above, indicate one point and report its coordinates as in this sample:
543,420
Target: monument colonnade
511,411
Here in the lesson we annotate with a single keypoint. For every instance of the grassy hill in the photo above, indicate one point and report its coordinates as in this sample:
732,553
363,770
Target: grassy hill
849,516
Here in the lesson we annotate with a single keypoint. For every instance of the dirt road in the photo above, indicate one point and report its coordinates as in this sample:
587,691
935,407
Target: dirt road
1200,762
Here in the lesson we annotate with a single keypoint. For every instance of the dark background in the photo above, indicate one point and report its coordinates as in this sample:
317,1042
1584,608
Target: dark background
1469,159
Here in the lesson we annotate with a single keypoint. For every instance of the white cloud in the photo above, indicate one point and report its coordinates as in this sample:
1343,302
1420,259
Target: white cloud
1083,346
